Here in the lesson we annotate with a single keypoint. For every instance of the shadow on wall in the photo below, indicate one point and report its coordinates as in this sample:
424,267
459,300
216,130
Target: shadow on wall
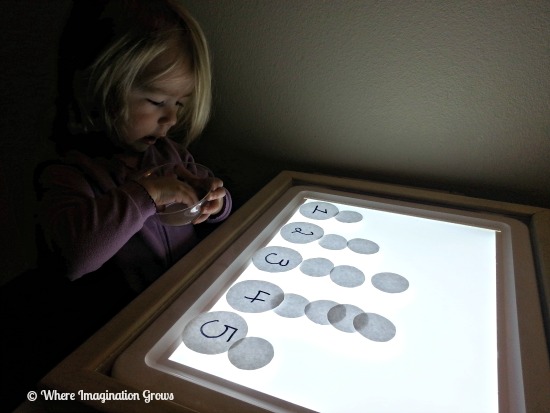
11,243
268,67
28,54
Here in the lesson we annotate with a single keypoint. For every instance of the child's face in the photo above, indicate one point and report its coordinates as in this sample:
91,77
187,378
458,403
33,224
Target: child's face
153,110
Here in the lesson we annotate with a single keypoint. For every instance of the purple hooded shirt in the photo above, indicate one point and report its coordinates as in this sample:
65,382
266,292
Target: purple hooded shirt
96,220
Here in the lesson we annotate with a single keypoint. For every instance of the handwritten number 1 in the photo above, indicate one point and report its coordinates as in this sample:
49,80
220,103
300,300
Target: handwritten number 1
319,210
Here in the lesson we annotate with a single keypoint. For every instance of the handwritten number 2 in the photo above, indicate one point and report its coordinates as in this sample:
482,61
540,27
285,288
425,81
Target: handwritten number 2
299,231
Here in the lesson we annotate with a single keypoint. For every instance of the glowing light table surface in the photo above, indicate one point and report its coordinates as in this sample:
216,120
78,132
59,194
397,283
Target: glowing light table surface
336,300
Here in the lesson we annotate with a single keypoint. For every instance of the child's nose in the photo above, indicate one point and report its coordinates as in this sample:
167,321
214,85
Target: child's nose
169,116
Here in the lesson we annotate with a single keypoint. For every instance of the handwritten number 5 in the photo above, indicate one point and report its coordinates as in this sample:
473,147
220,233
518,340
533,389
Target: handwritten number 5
227,328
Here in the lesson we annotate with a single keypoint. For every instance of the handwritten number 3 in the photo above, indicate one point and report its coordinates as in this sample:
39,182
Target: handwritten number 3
280,262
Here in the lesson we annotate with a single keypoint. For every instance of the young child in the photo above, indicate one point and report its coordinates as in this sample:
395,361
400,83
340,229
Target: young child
141,92
134,91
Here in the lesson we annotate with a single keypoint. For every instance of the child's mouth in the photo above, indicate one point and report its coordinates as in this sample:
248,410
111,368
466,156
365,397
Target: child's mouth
150,140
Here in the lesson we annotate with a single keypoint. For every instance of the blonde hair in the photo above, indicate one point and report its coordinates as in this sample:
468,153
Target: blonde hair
126,64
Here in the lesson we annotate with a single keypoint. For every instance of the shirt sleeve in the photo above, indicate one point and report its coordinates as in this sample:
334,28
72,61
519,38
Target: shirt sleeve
84,226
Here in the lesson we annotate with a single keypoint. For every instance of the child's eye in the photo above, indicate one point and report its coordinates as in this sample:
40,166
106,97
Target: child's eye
154,102
162,103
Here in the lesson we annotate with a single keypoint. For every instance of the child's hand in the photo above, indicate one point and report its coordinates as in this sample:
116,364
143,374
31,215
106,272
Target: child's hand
165,190
214,202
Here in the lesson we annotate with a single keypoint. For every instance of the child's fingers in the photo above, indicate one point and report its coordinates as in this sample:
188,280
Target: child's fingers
216,194
167,190
201,218
185,174
215,183
186,194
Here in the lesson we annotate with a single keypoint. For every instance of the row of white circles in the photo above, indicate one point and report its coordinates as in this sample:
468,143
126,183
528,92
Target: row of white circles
276,259
221,331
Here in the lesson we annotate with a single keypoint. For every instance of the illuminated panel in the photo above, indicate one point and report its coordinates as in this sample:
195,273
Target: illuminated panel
336,303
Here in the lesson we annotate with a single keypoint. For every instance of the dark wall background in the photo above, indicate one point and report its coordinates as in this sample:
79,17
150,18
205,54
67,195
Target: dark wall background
450,95
28,50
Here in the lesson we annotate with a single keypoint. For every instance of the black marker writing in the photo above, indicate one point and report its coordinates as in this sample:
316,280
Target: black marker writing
252,299
223,332
279,263
299,231
319,210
